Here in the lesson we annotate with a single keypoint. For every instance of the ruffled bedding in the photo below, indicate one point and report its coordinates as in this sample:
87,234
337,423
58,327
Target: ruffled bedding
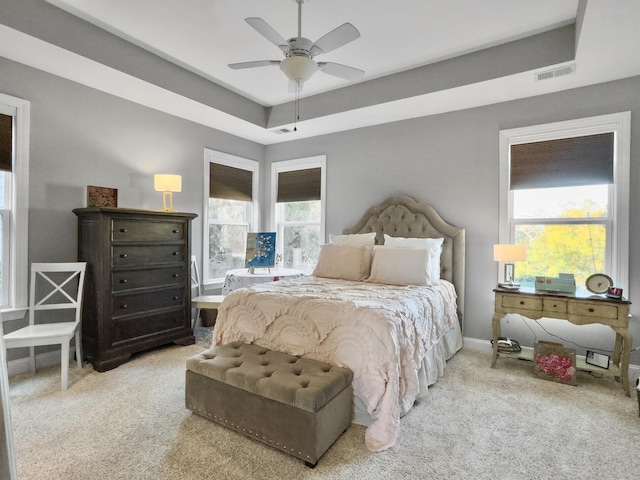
385,334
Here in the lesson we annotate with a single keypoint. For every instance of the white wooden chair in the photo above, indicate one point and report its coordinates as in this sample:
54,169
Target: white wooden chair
200,301
54,286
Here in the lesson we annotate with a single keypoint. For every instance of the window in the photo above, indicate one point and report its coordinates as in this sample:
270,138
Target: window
565,194
231,209
14,196
298,188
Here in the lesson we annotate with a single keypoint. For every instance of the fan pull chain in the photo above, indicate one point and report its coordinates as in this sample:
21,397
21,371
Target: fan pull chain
297,108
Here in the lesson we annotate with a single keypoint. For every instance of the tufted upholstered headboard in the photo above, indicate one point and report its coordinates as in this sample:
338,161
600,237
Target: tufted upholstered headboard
402,216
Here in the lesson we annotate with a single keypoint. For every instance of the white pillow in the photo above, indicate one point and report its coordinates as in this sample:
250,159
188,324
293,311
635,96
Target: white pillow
345,263
400,266
433,245
353,240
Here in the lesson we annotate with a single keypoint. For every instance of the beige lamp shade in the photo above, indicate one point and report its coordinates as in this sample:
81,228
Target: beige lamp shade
509,254
167,184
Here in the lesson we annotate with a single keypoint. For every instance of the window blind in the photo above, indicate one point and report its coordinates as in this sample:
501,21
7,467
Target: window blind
6,143
299,185
566,162
230,183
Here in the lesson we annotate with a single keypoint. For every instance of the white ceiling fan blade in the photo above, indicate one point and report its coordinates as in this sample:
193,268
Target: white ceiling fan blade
339,70
267,31
335,38
256,63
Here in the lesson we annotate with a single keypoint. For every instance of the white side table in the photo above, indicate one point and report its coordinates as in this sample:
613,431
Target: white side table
240,277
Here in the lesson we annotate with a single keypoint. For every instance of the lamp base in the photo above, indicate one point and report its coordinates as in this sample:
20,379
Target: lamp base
167,202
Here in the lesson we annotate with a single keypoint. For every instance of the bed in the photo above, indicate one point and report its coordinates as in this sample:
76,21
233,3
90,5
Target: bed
358,310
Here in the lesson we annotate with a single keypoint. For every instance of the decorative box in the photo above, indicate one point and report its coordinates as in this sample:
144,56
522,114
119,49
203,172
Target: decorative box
556,284
552,361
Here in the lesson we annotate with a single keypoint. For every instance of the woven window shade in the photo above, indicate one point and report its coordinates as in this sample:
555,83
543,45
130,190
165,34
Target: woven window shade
230,183
6,143
299,185
566,162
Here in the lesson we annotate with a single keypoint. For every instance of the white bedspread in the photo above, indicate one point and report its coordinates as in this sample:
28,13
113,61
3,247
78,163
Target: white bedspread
380,332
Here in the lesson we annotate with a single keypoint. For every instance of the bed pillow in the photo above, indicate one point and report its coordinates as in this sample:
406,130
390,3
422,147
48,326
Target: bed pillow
345,263
400,266
433,245
353,240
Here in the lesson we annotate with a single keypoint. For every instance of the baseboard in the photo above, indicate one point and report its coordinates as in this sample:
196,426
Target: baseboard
21,365
485,346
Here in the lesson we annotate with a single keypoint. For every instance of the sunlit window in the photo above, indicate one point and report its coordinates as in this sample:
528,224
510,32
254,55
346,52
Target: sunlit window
565,195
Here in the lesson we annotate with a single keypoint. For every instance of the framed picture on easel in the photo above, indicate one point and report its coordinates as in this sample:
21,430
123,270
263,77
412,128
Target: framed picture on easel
261,250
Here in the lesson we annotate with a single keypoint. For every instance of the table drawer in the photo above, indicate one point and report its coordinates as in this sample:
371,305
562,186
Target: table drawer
593,310
554,305
522,303
134,255
141,302
127,230
122,280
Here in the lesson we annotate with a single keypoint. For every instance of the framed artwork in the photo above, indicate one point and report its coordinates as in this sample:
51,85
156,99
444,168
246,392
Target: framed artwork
597,359
102,196
552,361
261,250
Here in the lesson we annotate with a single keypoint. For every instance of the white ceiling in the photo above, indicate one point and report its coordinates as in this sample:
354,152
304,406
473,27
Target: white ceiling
204,36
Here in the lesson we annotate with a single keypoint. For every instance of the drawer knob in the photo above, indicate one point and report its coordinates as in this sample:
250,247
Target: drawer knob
124,280
554,305
124,306
176,231
176,275
521,302
591,310
124,255
124,230
176,298
176,253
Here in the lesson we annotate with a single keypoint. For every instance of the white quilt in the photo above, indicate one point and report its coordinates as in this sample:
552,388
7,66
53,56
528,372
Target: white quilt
380,332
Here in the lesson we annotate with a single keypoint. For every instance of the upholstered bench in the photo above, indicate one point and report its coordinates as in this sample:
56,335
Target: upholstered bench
297,405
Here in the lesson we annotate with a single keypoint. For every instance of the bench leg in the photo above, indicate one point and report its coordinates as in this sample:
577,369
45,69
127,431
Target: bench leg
310,465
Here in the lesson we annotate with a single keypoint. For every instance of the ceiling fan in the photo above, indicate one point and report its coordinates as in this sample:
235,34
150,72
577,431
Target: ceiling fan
299,64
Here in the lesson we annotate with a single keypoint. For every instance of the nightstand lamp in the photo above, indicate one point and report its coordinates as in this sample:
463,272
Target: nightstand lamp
509,254
167,184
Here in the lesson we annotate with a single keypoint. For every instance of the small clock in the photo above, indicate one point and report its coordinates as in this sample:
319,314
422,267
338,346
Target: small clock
598,283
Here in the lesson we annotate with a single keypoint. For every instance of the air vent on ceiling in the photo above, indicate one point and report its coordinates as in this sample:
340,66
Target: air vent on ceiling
556,72
280,131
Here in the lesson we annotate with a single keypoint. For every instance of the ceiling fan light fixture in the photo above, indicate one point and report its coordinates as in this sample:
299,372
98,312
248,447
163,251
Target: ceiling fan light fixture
298,68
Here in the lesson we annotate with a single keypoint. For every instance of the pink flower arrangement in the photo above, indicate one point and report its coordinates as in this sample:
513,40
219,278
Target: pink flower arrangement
558,366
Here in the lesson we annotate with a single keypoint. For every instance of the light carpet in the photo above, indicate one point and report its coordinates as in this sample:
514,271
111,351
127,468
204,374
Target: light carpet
476,423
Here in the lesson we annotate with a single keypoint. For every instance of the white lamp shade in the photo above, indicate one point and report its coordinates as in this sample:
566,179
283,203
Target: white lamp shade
167,183
298,68
509,253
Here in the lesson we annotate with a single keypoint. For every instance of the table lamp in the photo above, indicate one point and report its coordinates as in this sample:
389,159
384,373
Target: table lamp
167,184
509,254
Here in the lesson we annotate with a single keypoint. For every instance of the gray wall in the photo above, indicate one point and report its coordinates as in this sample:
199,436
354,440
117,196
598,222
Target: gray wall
82,137
452,162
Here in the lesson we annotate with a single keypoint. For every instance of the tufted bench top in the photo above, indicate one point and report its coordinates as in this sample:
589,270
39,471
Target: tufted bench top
300,382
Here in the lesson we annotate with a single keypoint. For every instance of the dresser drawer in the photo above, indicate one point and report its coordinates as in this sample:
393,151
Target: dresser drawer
141,302
158,277
554,305
132,330
127,230
521,302
134,255
593,310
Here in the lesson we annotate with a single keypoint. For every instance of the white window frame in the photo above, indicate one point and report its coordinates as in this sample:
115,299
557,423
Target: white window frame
620,125
16,222
318,161
214,156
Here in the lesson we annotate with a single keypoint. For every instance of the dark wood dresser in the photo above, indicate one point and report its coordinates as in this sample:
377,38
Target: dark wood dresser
138,288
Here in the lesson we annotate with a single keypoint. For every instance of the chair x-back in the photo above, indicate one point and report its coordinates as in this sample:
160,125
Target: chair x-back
53,287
